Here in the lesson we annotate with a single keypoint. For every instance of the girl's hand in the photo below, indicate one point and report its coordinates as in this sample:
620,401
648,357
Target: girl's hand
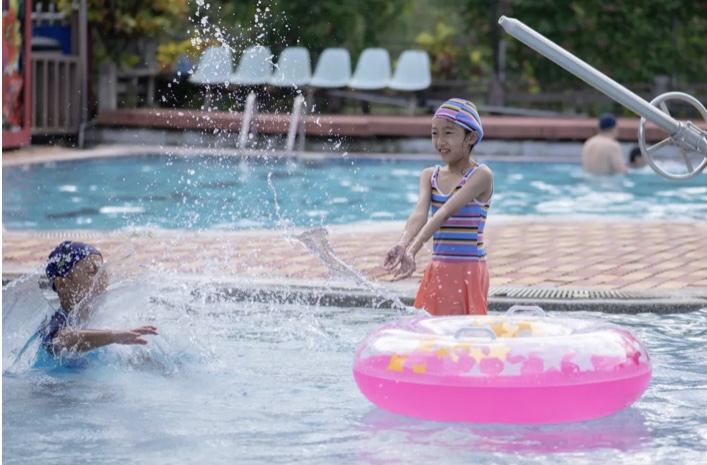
394,256
407,267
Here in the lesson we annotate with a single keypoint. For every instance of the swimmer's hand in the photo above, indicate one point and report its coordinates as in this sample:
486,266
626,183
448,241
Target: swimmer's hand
133,336
394,257
407,267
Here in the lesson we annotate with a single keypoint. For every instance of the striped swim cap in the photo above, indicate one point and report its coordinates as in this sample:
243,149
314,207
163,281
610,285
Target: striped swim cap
463,113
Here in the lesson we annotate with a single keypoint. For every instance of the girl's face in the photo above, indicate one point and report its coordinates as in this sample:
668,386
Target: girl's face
83,278
451,140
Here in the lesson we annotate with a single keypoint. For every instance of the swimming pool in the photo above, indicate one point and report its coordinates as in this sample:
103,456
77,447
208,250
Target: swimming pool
239,382
210,192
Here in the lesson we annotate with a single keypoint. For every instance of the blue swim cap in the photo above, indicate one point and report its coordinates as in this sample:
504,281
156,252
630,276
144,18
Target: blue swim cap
463,113
607,121
65,256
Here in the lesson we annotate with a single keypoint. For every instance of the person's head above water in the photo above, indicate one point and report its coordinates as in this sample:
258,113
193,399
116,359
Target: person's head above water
636,159
608,125
456,127
72,268
607,121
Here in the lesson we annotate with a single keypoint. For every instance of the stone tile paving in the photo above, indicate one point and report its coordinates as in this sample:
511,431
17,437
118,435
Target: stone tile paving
609,254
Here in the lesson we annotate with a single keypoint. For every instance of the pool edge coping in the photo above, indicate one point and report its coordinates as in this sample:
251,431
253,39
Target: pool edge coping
102,151
346,294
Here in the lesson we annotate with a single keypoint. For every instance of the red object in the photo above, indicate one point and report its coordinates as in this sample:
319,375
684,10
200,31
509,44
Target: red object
18,138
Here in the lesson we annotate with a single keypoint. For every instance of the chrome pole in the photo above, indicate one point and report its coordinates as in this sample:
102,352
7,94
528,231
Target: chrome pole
686,136
587,73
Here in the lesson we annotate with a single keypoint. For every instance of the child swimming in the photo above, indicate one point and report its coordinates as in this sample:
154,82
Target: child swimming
73,272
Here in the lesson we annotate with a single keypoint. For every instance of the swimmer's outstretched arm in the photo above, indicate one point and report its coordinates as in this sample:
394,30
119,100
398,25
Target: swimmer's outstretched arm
83,340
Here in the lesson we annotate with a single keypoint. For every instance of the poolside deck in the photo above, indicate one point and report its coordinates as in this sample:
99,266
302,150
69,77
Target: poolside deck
495,127
624,258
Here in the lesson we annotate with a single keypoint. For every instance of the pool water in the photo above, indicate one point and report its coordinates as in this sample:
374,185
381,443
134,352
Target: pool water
205,192
245,382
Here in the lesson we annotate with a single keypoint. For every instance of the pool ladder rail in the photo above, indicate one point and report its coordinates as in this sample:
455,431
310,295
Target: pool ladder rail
298,125
249,115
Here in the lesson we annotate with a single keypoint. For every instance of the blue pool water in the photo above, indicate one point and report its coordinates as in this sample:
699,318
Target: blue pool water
203,192
238,382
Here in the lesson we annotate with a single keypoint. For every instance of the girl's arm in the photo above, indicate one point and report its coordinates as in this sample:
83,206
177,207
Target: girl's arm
415,222
83,340
480,182
419,215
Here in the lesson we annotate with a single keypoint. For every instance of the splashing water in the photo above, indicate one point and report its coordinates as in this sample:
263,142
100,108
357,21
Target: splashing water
315,240
131,299
24,307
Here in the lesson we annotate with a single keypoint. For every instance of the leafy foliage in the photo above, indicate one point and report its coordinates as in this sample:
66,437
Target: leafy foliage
454,56
119,25
353,24
631,41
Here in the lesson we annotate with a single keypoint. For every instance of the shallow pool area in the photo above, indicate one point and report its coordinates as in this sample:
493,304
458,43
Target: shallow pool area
247,382
222,192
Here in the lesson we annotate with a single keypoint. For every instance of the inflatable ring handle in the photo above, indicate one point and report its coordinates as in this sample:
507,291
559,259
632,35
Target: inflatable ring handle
534,309
475,332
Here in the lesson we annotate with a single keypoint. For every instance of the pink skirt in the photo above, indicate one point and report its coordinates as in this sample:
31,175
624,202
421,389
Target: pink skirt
454,288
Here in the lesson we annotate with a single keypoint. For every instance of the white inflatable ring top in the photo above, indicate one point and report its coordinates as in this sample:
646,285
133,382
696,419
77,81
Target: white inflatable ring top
502,369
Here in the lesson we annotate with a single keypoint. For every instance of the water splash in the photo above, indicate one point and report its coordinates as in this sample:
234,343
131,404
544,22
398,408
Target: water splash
316,242
24,307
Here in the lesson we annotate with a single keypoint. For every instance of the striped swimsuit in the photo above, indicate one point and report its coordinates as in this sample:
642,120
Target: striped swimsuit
456,282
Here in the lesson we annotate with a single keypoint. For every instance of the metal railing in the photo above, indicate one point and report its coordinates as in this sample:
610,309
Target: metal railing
249,116
298,123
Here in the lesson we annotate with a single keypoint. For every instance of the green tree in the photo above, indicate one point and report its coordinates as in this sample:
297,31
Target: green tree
119,26
354,24
628,40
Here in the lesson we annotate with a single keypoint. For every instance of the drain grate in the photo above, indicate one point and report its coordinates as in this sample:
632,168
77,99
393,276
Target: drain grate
535,293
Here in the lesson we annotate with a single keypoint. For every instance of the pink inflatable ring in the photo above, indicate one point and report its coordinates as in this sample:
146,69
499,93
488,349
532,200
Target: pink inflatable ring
502,369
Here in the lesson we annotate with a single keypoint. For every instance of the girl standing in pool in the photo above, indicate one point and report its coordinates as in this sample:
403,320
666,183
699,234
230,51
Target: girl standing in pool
458,195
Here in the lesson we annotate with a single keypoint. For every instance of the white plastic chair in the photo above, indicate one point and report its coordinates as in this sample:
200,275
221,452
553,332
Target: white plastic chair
333,69
215,67
372,70
254,67
294,68
412,72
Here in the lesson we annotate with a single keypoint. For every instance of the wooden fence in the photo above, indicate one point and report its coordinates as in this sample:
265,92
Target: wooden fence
56,80
56,105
